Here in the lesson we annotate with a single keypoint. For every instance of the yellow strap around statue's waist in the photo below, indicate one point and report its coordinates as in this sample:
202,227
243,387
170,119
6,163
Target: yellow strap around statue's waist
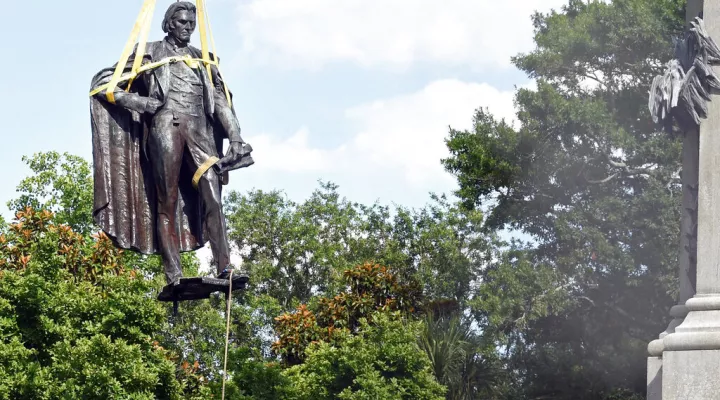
203,169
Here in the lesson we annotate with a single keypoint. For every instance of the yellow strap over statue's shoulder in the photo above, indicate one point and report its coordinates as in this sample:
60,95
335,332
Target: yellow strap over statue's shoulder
206,54
139,35
202,22
142,20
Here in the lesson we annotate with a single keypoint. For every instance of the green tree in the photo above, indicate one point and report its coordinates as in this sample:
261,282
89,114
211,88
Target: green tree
77,321
381,361
61,183
296,251
194,338
370,288
460,357
253,378
590,179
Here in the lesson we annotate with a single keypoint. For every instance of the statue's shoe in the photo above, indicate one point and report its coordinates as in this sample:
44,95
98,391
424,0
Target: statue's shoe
237,275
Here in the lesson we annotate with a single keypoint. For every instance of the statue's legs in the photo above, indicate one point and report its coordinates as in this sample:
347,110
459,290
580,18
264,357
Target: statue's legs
166,147
209,187
172,135
200,145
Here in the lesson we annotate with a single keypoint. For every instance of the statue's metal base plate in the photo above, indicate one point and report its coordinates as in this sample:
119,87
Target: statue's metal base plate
201,288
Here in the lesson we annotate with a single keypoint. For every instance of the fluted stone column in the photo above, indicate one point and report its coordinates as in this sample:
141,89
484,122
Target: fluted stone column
686,262
691,356
687,244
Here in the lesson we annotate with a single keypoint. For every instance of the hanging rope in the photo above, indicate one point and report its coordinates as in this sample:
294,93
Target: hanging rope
227,333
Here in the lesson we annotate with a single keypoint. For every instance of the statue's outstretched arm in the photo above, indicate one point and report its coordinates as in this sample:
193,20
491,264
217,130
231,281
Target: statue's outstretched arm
131,100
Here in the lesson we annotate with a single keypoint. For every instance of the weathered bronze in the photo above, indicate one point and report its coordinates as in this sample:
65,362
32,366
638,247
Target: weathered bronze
682,92
151,142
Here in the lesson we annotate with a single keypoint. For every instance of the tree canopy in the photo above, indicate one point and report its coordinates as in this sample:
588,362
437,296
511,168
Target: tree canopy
594,183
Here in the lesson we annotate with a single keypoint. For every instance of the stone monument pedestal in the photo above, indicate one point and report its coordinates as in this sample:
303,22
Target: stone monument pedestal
654,378
701,384
691,354
684,364
655,351
691,359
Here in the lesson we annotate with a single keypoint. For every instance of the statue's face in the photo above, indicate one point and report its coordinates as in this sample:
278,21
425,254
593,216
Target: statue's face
183,25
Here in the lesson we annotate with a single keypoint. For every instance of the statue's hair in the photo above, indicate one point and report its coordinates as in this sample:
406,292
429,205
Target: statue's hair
174,8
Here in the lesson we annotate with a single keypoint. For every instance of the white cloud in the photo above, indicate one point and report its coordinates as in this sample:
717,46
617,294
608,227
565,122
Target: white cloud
398,141
408,132
290,155
388,33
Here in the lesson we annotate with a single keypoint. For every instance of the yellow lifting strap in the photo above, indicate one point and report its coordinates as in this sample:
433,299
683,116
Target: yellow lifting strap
202,22
137,63
142,20
147,67
139,35
214,57
203,169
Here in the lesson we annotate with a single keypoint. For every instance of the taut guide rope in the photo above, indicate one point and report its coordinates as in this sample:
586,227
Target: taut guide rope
227,333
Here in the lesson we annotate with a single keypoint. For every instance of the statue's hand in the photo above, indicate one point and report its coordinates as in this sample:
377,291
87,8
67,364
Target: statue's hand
152,105
238,156
239,149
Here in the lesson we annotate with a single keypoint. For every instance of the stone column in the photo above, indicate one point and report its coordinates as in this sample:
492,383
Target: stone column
691,357
687,255
686,260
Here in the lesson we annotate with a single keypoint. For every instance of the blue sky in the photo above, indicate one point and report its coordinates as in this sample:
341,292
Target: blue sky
360,93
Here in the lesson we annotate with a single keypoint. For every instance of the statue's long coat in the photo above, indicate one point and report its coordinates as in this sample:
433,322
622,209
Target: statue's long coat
125,196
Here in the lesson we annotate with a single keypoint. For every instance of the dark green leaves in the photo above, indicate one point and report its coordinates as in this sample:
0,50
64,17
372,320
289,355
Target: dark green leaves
592,182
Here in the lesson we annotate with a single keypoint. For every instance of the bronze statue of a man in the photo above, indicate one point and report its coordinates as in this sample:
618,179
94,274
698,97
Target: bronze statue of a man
158,152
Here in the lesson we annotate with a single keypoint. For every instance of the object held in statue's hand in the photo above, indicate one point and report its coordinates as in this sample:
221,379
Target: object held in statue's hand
235,159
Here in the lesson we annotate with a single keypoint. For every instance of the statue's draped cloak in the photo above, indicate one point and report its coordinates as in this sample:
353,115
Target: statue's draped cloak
125,195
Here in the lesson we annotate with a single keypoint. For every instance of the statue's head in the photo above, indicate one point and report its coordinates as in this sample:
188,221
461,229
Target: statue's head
180,20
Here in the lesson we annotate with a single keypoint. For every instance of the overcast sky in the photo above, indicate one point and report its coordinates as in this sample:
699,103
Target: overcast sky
360,93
